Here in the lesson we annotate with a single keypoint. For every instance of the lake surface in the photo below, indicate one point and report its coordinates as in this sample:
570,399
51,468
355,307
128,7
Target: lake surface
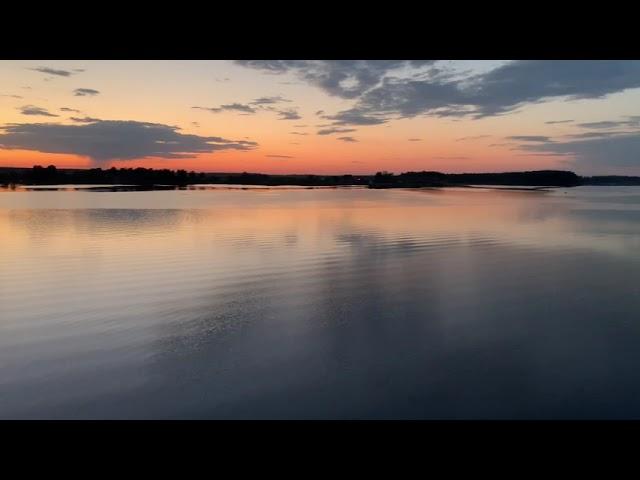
283,303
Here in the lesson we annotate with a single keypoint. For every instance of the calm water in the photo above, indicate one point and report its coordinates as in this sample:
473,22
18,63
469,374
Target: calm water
329,303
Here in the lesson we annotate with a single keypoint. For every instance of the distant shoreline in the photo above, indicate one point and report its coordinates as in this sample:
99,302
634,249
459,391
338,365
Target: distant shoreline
143,177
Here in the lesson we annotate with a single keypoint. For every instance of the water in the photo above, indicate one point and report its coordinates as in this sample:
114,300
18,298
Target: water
320,303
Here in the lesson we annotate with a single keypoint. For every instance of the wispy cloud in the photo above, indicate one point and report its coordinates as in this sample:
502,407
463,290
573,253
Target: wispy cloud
529,138
554,122
85,92
330,131
474,137
269,100
84,119
33,110
279,156
289,114
347,139
231,107
55,71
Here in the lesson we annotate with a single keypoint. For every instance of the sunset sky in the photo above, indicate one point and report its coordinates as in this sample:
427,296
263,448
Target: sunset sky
315,116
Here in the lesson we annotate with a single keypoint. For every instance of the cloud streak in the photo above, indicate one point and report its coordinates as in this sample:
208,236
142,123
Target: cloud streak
55,71
85,92
231,107
331,131
33,110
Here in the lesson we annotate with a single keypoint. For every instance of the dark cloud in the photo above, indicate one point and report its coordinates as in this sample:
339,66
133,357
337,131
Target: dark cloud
553,122
33,110
84,92
114,139
529,138
232,107
289,114
84,119
279,156
342,78
347,139
501,90
319,113
53,71
633,122
621,150
354,117
330,131
66,109
269,100
598,134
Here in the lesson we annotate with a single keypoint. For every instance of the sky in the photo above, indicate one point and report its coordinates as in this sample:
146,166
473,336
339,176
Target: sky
323,116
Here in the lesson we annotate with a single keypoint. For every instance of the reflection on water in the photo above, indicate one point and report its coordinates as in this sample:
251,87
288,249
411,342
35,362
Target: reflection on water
330,303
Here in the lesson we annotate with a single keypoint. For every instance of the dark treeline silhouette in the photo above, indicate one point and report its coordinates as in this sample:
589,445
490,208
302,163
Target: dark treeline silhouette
149,177
558,178
51,175
611,180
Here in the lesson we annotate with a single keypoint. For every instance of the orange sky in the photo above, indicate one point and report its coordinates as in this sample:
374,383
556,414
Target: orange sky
165,93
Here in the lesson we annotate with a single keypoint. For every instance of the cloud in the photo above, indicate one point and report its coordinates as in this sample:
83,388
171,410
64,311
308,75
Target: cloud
633,122
33,110
289,114
232,107
499,91
354,117
269,100
66,109
529,138
11,96
621,150
329,131
415,139
342,78
84,92
84,119
475,137
298,133
279,156
347,139
553,122
449,158
54,71
598,134
105,140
